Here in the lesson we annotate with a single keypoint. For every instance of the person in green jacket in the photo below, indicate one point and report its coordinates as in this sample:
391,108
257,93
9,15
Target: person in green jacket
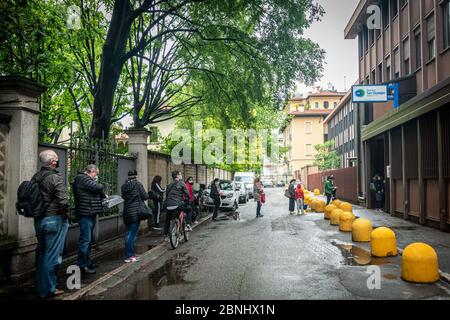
330,189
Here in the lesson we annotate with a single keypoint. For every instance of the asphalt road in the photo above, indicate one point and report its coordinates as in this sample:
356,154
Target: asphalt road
274,257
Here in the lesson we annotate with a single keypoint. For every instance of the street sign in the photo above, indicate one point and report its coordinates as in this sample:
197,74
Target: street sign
370,93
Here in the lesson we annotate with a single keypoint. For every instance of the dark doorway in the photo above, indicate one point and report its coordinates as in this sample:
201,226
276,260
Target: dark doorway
376,165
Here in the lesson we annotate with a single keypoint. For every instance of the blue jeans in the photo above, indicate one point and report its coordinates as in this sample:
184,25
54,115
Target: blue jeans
258,208
130,239
51,234
87,224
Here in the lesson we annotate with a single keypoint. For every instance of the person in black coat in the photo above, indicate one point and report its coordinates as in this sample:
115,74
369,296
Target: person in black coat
88,195
215,195
134,194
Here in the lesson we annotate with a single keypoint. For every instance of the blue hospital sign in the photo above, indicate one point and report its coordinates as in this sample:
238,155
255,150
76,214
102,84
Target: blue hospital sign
370,93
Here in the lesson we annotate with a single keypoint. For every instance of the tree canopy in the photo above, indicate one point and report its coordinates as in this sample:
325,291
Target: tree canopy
234,60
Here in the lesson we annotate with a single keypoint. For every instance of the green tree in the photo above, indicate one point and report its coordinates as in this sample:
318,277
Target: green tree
326,157
266,33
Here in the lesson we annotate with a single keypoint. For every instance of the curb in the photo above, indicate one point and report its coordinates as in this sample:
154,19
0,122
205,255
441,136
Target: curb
146,258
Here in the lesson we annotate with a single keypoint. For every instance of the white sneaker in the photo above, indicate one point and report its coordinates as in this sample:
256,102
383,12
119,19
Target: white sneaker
188,228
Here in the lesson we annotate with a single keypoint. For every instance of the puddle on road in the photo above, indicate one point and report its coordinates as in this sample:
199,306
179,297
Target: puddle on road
390,276
171,273
356,256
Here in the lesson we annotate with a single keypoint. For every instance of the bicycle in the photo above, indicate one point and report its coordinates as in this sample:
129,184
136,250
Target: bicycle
178,230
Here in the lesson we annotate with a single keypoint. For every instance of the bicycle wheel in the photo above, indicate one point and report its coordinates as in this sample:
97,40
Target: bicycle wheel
174,233
186,234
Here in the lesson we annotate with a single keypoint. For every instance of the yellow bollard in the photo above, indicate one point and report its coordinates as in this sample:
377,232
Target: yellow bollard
328,210
336,203
345,221
334,216
320,206
420,263
316,192
346,207
313,203
383,242
361,230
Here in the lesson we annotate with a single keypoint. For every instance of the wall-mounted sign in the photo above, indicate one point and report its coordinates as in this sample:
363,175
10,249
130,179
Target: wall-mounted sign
370,93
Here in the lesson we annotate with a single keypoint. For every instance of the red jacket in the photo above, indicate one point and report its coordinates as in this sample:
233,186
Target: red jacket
299,193
191,194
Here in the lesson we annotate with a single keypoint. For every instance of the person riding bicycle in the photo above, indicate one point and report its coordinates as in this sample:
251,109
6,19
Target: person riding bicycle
176,192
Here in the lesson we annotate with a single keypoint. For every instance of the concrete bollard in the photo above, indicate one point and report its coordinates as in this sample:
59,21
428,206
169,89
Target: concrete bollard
334,216
383,242
347,207
320,206
328,209
313,203
420,263
336,203
345,221
361,230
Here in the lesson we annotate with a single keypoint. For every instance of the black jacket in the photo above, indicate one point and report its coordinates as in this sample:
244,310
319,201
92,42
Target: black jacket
215,195
134,194
88,195
54,193
175,192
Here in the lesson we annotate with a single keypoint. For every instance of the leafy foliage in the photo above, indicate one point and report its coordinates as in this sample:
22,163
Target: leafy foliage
326,158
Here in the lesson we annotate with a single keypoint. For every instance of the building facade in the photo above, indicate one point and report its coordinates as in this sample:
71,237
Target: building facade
306,127
408,146
341,129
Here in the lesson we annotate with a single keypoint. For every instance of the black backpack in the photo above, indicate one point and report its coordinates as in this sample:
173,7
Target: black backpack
30,203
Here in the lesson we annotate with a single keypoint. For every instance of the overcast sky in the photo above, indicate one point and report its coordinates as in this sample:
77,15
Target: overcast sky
341,55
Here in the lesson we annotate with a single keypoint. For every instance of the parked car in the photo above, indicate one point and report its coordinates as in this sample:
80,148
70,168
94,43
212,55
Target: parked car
230,196
243,192
267,183
247,178
281,184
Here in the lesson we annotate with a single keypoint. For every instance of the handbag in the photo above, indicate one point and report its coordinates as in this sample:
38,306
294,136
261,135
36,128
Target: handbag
263,197
287,193
145,212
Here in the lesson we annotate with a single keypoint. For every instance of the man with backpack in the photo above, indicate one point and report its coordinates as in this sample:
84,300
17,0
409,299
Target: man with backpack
45,198
88,195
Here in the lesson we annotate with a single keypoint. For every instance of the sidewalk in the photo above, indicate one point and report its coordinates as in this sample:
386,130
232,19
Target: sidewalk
408,232
109,258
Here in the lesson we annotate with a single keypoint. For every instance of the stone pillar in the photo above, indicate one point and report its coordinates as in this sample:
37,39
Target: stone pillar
138,146
18,100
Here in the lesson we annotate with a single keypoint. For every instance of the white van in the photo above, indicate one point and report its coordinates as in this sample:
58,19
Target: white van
247,178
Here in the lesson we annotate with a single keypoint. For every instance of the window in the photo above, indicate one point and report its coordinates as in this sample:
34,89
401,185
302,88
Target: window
308,149
308,127
360,44
365,39
385,13
326,104
431,38
446,19
388,69
403,3
396,63
406,56
394,8
418,48
317,105
374,80
335,104
371,36
380,73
